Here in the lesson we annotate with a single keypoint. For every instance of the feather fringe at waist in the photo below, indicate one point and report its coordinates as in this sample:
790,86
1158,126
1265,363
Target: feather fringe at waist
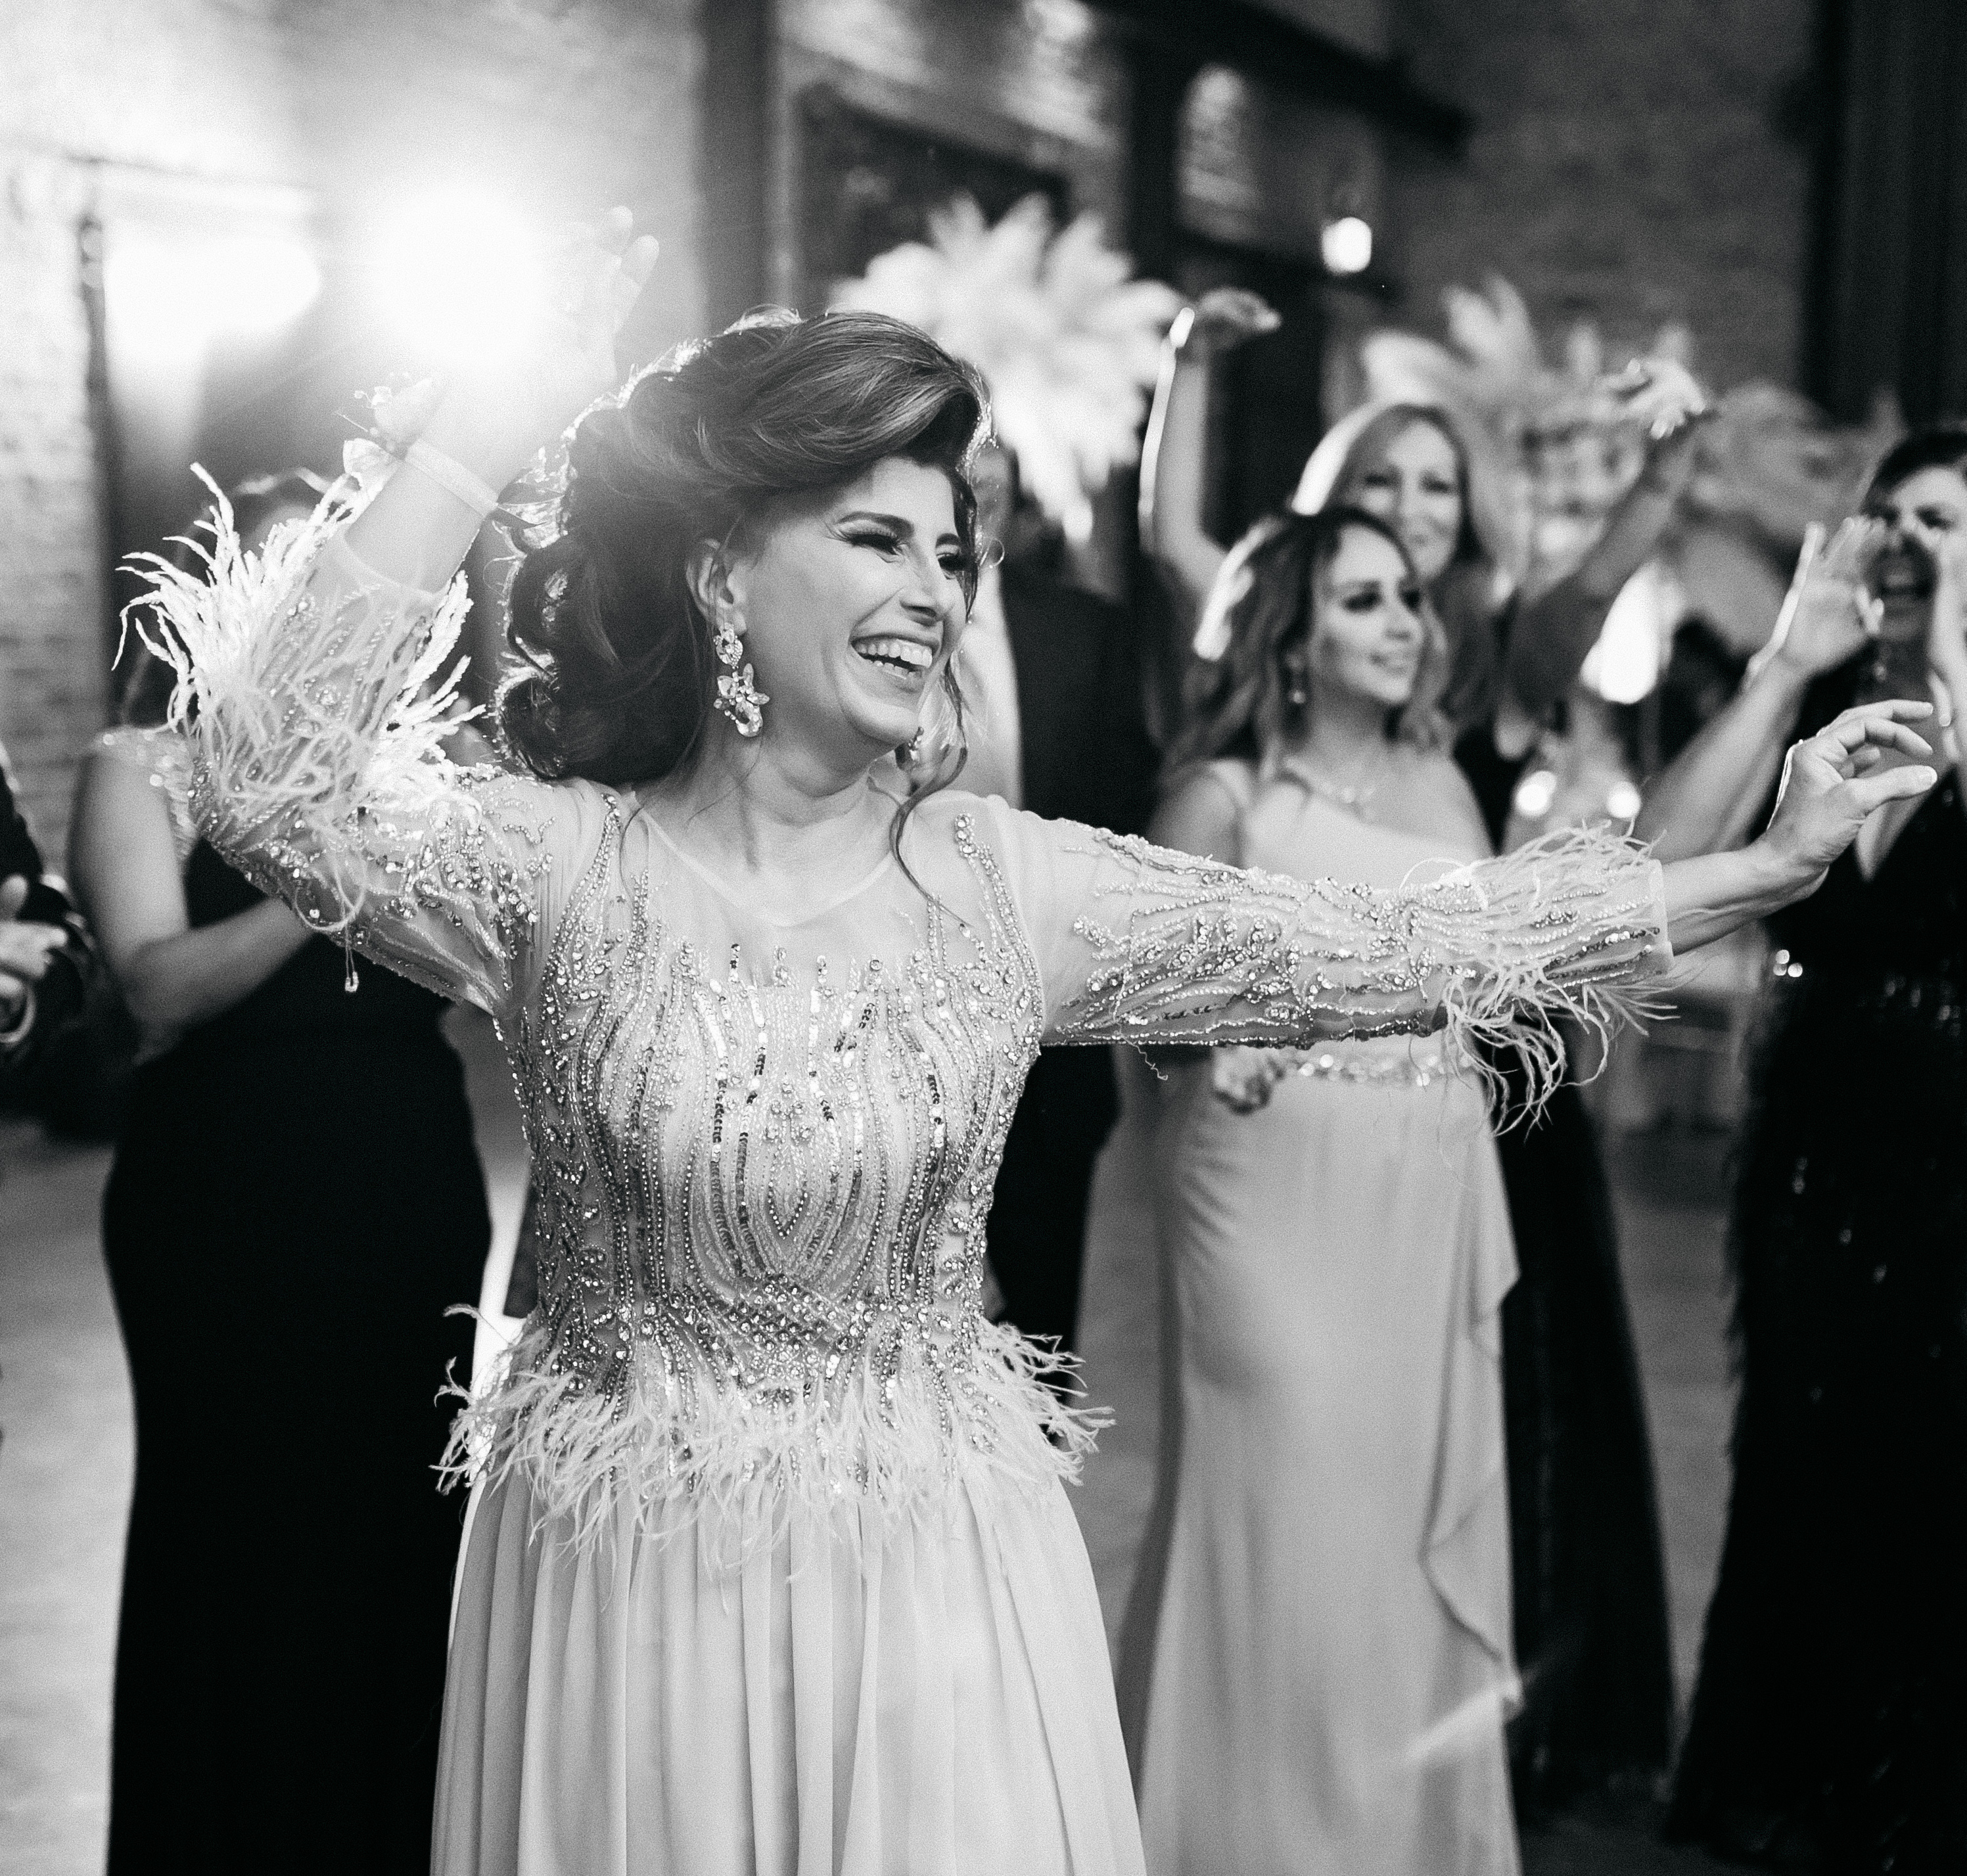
728,1464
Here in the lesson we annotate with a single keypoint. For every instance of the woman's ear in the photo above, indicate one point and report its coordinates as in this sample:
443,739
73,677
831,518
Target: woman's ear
708,573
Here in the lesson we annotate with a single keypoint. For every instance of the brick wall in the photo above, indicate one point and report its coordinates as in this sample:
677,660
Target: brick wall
1628,167
567,103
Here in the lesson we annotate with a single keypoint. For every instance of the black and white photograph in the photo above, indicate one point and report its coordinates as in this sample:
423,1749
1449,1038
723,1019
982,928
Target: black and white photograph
982,937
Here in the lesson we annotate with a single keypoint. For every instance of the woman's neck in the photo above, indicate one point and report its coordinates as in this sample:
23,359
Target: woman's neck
1343,730
772,811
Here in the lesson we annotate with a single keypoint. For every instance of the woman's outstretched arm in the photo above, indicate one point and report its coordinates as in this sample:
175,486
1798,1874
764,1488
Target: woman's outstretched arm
319,688
1138,944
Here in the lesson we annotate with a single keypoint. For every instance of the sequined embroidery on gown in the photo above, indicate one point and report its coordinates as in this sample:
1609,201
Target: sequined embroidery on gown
771,1567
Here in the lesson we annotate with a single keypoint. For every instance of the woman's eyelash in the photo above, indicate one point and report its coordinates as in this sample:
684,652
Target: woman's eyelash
873,538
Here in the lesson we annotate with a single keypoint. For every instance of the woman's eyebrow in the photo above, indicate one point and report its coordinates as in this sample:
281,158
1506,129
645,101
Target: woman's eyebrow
897,523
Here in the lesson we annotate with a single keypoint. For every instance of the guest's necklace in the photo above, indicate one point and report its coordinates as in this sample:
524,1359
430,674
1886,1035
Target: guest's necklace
1353,794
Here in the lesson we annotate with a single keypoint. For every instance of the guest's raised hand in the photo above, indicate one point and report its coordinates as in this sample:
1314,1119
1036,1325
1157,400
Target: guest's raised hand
1828,613
1834,781
1662,398
1223,319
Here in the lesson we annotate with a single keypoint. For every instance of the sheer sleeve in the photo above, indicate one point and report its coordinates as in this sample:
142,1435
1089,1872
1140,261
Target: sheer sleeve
315,695
1138,943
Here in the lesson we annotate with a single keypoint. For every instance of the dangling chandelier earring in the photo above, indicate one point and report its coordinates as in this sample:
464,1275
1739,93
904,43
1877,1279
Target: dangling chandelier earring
737,697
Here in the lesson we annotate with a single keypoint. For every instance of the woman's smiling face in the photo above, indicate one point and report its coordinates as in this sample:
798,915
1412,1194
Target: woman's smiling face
1413,483
1366,635
850,604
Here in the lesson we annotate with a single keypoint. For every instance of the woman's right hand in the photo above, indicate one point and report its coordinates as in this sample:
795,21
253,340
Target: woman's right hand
1827,614
495,415
1834,781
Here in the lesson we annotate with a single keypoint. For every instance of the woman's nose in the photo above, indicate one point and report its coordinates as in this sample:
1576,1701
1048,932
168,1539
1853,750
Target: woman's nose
932,591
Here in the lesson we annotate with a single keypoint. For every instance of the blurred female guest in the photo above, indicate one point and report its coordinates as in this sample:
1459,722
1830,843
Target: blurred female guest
1590,1591
295,1202
770,1565
1317,1663
1829,1727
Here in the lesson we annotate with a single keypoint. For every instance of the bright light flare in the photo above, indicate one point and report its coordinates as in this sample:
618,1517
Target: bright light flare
1623,801
458,277
177,296
1535,793
1632,650
1347,245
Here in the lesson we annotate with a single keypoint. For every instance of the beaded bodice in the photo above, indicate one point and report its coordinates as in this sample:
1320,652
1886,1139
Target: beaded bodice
764,1168
763,1146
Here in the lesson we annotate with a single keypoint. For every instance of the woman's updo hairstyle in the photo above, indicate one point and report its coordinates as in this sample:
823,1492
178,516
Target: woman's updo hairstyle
617,672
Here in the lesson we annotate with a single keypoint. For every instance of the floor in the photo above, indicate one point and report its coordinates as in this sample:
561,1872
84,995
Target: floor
65,1455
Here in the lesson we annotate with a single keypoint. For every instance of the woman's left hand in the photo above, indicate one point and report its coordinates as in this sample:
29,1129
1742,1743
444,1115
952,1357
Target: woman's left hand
1829,790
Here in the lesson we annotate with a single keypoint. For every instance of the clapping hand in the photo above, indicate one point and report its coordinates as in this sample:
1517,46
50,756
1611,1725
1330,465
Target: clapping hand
1834,781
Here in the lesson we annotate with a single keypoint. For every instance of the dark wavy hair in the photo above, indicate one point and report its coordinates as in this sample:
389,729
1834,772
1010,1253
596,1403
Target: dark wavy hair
1268,594
1936,446
616,672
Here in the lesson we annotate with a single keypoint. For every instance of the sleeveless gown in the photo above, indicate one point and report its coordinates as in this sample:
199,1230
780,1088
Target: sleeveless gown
295,1201
771,1567
1830,1718
1315,1666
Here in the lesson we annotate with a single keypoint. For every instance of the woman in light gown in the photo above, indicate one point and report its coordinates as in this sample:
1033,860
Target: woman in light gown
1316,1662
1590,1603
769,1567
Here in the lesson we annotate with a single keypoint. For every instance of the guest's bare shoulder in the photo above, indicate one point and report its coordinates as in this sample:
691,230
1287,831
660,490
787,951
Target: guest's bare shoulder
1201,811
1437,797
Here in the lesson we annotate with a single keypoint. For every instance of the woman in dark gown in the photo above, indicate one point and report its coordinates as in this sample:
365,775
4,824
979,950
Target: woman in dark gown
1829,1727
1589,1596
296,1202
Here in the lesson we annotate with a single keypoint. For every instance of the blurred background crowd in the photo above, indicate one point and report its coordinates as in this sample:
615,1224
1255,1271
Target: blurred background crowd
1187,242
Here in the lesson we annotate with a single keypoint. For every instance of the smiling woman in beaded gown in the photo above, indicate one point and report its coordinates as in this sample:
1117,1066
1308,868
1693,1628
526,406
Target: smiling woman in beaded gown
770,1568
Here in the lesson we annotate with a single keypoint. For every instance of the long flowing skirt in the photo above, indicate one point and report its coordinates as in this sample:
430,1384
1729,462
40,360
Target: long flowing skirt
1316,1667
929,1698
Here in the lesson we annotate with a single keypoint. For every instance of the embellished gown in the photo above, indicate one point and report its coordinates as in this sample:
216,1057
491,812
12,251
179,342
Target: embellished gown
1316,1664
1831,1718
771,1567
296,1203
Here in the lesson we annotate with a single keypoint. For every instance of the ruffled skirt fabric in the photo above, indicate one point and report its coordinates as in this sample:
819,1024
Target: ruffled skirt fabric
848,1696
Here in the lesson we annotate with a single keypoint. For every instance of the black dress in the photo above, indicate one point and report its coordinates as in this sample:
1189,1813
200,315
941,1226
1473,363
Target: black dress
1590,1580
296,1201
1087,758
1830,1722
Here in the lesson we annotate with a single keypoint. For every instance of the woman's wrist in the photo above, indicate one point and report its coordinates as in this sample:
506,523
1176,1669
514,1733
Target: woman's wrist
478,442
1772,876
